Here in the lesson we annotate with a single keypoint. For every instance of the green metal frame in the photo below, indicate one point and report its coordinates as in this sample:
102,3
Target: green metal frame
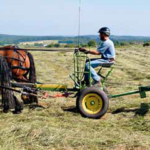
142,91
79,70
103,81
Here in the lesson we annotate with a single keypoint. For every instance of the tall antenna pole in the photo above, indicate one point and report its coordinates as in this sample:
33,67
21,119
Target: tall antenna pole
79,25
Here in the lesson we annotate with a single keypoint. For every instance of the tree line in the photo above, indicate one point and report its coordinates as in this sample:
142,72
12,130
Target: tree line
94,44
13,39
91,43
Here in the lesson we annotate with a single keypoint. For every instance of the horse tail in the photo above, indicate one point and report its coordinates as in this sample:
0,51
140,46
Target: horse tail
32,75
32,70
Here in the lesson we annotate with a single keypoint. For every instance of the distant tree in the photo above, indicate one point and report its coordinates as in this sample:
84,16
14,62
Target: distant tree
69,46
50,45
83,45
123,43
116,43
57,45
132,43
38,44
146,44
92,43
53,45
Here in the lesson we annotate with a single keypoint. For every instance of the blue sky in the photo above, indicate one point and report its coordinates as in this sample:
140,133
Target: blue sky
60,17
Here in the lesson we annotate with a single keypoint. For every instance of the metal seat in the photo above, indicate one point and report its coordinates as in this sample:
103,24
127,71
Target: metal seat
107,65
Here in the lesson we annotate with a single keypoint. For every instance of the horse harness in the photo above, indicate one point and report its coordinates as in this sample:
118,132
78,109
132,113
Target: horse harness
21,62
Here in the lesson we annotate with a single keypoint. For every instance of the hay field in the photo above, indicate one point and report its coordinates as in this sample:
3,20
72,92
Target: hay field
44,42
126,126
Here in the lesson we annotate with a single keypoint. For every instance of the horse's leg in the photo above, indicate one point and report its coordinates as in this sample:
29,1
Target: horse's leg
19,105
7,95
32,71
32,76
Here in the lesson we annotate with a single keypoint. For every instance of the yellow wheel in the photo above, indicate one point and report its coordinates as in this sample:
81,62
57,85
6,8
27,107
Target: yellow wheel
92,102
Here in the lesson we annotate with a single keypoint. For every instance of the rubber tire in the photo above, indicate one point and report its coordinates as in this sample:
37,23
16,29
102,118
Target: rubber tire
103,96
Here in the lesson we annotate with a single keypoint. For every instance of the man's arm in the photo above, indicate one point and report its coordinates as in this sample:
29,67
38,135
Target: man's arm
94,52
101,49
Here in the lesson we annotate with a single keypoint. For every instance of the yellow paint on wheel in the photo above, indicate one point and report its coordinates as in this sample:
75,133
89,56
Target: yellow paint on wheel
92,103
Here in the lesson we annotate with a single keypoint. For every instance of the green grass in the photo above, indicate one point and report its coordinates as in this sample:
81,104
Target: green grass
39,42
126,126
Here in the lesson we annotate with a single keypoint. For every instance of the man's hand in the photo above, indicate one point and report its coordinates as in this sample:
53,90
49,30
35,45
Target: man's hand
82,49
94,52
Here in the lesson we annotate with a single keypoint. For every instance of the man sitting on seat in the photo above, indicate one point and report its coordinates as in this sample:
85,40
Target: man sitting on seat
107,52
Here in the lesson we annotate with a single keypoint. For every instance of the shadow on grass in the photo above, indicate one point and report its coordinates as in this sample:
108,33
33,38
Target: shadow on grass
70,109
142,111
34,106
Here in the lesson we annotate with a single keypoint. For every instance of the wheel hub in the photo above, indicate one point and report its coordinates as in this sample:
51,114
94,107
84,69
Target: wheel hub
92,103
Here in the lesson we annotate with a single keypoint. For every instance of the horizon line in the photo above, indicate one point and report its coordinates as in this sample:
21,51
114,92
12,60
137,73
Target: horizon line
72,35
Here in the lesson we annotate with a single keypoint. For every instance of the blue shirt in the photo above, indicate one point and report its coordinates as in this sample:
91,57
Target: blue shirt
107,49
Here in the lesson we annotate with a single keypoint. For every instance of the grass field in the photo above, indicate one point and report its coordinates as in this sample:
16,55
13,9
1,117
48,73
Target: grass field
126,126
44,42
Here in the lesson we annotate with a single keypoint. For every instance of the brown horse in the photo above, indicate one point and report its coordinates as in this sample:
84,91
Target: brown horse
20,62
